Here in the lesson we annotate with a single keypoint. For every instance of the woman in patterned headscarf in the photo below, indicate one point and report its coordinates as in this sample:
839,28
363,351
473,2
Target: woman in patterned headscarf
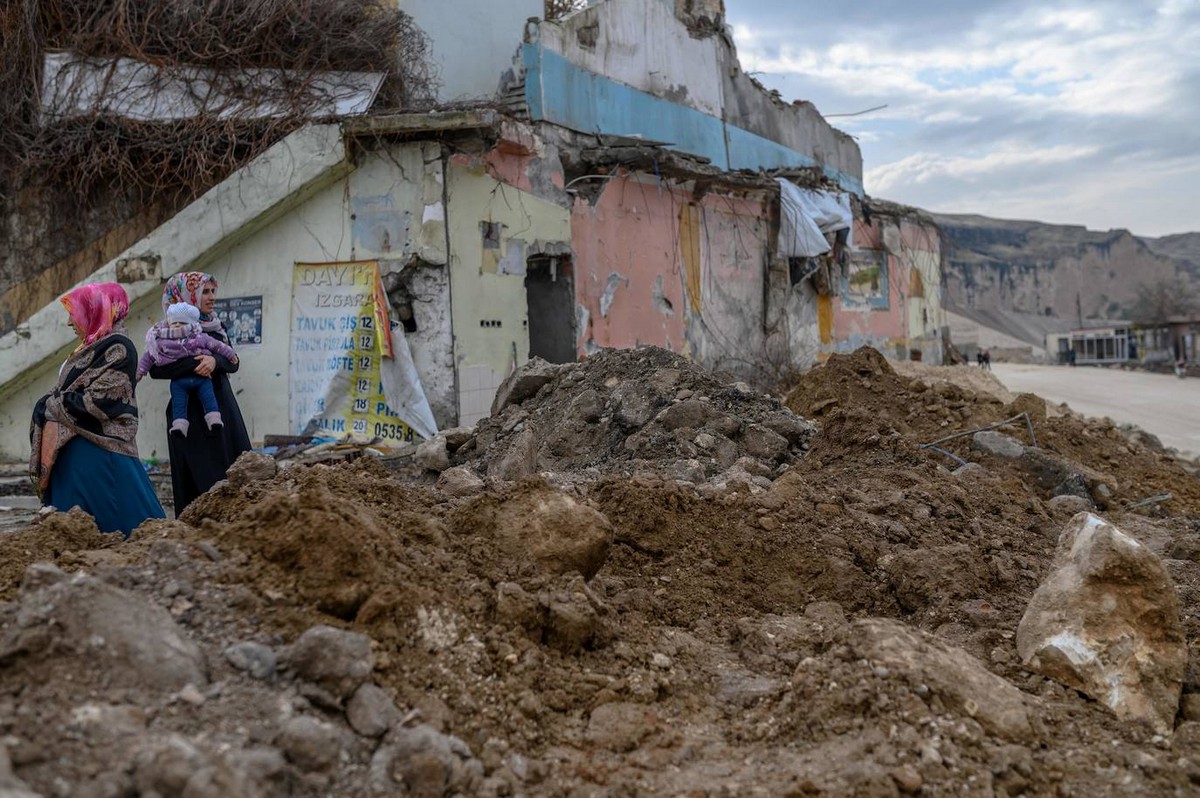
82,435
199,461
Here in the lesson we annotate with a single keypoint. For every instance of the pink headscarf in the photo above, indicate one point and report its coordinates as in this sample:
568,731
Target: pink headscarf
95,308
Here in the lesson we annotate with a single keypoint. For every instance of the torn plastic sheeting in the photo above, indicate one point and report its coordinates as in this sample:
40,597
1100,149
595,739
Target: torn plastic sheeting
806,215
403,390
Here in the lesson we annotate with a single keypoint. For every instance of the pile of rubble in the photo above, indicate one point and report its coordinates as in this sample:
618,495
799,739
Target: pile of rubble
860,617
629,412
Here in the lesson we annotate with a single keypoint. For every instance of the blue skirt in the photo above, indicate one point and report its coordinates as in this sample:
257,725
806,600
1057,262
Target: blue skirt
112,488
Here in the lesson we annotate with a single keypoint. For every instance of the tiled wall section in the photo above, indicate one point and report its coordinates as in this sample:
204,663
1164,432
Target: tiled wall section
476,388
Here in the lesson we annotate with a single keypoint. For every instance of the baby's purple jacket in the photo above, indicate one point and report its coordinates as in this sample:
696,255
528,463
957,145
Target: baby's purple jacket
162,351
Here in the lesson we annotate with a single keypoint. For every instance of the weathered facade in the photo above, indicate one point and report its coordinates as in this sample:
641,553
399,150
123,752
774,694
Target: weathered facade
613,201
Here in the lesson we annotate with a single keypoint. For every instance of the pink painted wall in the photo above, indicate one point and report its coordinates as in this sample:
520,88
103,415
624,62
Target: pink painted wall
622,245
631,270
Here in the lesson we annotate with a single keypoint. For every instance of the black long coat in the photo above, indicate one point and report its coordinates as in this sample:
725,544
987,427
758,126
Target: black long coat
199,461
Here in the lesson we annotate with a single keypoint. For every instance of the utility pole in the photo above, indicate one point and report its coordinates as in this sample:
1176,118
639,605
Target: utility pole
1078,310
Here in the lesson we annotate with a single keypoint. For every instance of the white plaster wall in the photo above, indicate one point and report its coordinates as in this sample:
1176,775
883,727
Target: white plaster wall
640,43
473,41
320,229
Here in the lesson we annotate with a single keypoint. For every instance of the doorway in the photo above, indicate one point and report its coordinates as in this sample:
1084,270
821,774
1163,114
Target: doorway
550,296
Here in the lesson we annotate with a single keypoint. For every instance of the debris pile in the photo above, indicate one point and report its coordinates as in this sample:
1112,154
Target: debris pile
852,624
634,411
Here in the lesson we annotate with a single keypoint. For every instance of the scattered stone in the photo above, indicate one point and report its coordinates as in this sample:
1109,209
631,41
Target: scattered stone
1106,622
209,550
523,383
425,762
251,467
519,460
907,778
997,444
1074,485
572,623
620,727
333,659
960,680
190,695
1069,504
253,658
371,711
459,481
310,743
107,629
660,661
688,414
764,444
588,406
457,437
970,470
432,455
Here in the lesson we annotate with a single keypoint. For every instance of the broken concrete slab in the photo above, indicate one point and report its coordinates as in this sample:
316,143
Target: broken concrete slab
523,383
997,444
1106,622
961,681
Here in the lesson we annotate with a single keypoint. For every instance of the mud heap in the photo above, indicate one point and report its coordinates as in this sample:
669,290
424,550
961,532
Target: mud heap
870,623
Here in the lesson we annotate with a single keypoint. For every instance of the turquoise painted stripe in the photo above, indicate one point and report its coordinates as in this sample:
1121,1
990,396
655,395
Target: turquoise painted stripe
562,93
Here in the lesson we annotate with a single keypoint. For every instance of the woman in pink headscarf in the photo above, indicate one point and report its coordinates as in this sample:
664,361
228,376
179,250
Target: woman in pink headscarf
83,433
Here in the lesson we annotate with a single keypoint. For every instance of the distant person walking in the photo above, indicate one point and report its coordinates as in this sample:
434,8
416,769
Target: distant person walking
198,460
986,360
83,433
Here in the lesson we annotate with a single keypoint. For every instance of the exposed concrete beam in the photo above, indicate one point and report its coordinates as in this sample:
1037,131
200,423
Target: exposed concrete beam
442,121
281,178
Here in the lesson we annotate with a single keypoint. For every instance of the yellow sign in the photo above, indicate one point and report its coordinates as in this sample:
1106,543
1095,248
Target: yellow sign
341,340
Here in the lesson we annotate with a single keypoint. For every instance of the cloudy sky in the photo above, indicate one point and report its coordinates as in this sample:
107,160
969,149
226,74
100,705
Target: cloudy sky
1067,112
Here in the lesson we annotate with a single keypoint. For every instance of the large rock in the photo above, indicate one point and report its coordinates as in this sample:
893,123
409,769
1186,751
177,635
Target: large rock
997,444
134,642
960,680
523,383
335,660
519,458
433,454
540,523
1106,622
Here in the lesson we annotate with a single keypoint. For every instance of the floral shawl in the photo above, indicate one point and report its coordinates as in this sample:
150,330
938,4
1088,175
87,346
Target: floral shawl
93,398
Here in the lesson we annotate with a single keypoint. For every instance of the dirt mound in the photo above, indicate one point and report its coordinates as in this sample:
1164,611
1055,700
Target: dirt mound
57,538
629,411
845,629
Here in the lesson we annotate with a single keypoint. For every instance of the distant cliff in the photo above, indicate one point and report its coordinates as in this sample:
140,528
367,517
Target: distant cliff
1033,267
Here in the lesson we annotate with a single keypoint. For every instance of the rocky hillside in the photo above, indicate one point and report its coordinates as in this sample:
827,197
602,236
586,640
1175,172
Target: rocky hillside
1033,267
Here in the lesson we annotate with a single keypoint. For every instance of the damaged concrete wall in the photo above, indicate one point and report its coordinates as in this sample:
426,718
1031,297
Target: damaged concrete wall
471,41
668,71
494,229
388,208
655,266
889,293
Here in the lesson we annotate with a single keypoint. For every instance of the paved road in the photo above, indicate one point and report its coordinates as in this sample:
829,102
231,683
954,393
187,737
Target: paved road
1159,403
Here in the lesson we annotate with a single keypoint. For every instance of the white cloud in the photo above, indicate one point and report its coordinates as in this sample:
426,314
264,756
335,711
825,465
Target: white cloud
1008,102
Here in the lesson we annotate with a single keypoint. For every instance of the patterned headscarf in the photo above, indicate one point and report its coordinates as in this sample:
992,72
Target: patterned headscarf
95,308
188,287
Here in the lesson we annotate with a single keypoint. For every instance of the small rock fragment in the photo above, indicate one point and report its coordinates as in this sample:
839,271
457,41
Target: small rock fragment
253,658
251,467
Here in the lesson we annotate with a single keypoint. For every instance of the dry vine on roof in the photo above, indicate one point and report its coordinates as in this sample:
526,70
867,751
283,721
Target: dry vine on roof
170,96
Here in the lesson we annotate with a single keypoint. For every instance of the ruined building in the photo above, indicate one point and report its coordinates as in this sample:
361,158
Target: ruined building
615,180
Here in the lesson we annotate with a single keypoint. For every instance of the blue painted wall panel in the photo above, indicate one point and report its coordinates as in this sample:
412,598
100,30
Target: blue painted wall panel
562,93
